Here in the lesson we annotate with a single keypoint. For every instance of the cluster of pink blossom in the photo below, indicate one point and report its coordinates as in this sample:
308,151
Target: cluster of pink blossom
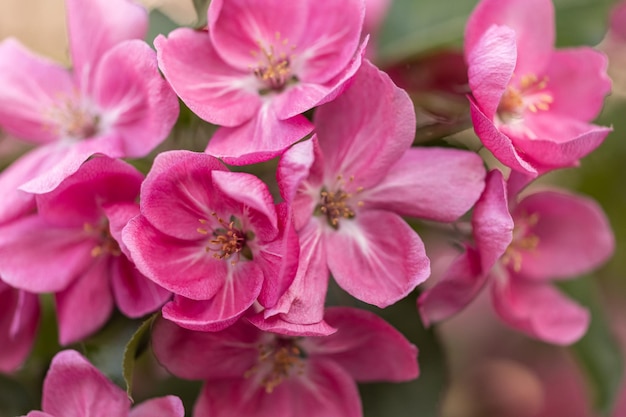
241,277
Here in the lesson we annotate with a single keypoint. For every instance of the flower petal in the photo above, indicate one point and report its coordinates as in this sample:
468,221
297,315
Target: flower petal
377,257
169,406
574,235
18,326
75,388
276,324
429,183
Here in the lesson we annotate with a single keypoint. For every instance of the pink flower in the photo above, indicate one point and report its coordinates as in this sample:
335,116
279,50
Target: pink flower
252,373
520,247
71,248
19,320
350,184
259,66
212,237
113,101
75,388
530,104
617,26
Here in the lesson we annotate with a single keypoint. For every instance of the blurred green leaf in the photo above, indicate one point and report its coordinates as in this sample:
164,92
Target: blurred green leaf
138,344
598,352
159,25
201,7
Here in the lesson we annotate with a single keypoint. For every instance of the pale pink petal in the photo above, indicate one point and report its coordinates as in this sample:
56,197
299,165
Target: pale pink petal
458,287
75,388
183,267
491,222
31,88
225,354
303,302
212,89
86,305
276,324
498,143
377,257
370,135
169,406
261,138
361,340
539,310
490,67
429,183
96,26
241,288
18,326
133,98
118,215
135,295
574,235
38,257
375,14
532,21
578,82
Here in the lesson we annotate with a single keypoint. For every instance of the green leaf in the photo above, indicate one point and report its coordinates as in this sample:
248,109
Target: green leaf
201,7
598,352
137,344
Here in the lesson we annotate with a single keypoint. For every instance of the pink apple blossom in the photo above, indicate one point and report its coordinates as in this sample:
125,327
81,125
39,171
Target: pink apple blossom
259,65
113,101
252,373
75,388
212,237
349,187
19,319
71,247
530,104
519,248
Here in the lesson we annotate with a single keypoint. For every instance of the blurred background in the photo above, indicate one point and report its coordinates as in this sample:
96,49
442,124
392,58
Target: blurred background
471,365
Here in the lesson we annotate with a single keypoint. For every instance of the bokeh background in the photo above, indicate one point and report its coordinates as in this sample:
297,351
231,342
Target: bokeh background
471,365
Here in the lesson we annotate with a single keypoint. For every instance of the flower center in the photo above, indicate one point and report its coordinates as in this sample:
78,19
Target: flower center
75,119
107,244
523,241
273,68
335,205
278,361
227,239
530,94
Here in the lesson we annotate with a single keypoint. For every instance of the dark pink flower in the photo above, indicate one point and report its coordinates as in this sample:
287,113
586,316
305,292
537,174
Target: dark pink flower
19,320
531,105
113,101
212,237
259,66
248,372
75,388
71,247
349,187
520,247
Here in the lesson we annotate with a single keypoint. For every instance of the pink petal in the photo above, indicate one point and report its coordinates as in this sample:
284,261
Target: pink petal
377,257
241,288
134,100
97,26
86,305
532,21
216,355
370,135
574,235
38,414
618,23
540,311
75,388
261,138
118,215
183,267
18,326
375,14
578,82
38,257
31,89
276,324
169,406
361,341
303,302
491,222
430,183
455,290
490,67
498,143
212,89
